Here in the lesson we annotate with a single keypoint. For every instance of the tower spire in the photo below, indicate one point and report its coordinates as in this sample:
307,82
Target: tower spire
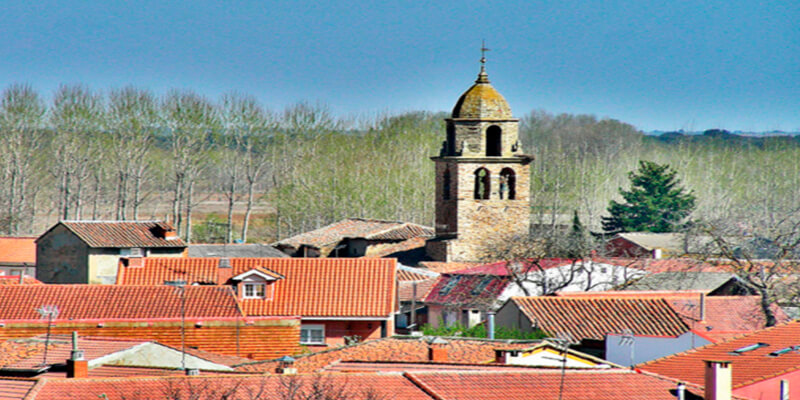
483,77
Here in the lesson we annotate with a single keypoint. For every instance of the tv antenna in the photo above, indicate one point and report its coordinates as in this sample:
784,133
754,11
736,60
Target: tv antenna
49,312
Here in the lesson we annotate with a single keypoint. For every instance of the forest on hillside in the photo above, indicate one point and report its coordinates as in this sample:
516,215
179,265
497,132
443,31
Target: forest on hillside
226,169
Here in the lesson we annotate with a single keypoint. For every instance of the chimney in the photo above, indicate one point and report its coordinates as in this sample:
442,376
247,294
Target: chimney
784,389
192,372
718,380
134,262
77,366
490,324
286,366
702,306
437,352
224,262
681,392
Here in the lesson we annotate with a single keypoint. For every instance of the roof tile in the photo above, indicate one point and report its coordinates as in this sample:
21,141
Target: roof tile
122,234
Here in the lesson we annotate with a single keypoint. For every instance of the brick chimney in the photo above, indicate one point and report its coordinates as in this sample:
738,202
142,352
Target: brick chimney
437,350
718,380
77,366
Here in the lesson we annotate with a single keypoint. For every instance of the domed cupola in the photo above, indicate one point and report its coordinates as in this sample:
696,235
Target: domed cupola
482,101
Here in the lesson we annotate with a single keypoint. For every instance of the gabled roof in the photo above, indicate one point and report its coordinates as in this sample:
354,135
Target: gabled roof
400,349
779,356
414,274
18,250
234,250
405,289
357,228
725,316
447,267
579,318
474,290
77,302
685,280
28,353
312,287
121,234
15,388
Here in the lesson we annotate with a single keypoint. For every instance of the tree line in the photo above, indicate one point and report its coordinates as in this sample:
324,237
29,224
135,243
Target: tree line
128,153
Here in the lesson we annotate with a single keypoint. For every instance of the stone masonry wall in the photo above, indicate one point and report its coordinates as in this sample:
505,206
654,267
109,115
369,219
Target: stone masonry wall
473,136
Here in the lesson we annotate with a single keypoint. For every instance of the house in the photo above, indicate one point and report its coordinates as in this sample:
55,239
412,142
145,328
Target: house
337,299
355,237
413,285
17,256
206,318
466,295
89,251
716,318
586,322
549,354
758,362
656,245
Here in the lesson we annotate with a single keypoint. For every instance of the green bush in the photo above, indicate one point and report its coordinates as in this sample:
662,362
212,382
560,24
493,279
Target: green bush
479,331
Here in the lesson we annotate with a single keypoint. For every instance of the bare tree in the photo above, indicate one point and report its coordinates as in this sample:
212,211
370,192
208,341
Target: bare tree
22,124
190,120
131,123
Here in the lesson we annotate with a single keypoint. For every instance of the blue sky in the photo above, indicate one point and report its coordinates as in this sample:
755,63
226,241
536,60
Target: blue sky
662,65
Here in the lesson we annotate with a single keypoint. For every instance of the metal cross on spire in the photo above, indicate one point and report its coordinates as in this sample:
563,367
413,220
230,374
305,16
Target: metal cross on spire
483,51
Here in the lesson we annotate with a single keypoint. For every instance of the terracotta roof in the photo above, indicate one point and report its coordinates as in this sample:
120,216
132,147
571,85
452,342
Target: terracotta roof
233,250
725,316
404,366
15,388
580,318
502,269
28,353
748,367
13,280
414,274
115,302
479,290
405,289
613,384
388,249
259,338
323,287
122,234
370,229
227,386
447,267
18,250
398,349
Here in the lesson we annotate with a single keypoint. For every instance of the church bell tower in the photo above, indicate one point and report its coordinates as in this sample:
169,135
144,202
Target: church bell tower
482,177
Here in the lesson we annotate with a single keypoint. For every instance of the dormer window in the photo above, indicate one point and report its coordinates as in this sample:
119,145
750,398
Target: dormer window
255,290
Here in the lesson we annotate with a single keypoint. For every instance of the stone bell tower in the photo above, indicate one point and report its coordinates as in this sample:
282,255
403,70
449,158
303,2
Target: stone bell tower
482,177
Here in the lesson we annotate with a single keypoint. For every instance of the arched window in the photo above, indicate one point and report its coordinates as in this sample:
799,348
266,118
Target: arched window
508,184
451,140
482,187
446,185
494,141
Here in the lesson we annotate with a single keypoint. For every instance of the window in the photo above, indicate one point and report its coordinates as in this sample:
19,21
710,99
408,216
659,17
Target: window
445,290
508,184
254,290
478,289
494,137
451,140
132,252
482,187
446,185
312,334
751,347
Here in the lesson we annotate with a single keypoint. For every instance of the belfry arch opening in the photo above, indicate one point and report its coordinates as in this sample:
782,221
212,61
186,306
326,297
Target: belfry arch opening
508,184
494,141
450,145
446,185
482,184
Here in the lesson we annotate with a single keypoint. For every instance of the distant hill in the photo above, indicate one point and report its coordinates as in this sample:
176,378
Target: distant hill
726,137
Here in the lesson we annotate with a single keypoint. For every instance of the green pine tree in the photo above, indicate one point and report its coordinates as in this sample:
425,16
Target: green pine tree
655,203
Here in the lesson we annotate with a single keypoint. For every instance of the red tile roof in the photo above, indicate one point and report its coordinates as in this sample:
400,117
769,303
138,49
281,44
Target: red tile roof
725,316
404,366
398,349
311,287
580,318
447,267
748,367
405,289
9,280
405,274
15,388
455,289
547,384
122,234
77,302
18,250
259,338
387,249
356,386
502,268
370,229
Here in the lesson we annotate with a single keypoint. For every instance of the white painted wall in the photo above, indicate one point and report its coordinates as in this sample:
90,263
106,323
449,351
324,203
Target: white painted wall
646,348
